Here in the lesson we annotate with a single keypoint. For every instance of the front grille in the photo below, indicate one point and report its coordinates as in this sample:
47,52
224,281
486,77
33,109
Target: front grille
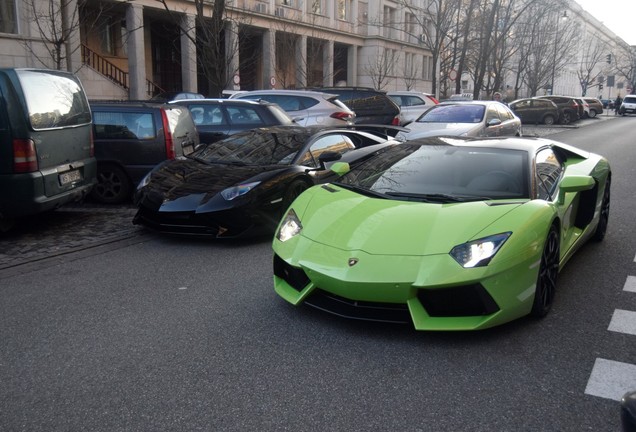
368,311
295,277
467,300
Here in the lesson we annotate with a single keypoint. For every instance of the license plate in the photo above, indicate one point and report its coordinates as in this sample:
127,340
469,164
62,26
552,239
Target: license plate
70,177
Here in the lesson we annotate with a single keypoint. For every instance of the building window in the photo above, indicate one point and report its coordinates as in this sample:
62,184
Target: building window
343,9
107,37
8,16
388,21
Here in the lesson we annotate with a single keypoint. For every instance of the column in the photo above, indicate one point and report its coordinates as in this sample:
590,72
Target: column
136,55
352,66
269,58
301,61
232,54
327,69
188,54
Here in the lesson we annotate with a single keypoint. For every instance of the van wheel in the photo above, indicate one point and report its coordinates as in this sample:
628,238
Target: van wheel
113,185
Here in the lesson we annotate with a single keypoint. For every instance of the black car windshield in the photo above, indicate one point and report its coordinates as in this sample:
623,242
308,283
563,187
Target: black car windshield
442,173
453,114
255,147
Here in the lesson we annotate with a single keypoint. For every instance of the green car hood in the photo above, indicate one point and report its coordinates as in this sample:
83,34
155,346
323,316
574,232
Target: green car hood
349,221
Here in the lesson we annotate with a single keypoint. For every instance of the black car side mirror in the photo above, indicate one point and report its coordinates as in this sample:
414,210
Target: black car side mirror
324,158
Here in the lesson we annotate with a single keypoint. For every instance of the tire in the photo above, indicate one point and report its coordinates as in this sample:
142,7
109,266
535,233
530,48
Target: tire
601,228
592,113
548,120
293,191
547,278
567,117
113,185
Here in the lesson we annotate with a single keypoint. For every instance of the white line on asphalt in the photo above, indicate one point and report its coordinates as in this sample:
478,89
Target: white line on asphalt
630,284
623,321
611,379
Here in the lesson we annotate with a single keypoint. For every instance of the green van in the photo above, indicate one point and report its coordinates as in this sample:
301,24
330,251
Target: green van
46,148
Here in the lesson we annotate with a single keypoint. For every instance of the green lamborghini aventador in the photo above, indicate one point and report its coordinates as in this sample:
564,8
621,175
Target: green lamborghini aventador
445,233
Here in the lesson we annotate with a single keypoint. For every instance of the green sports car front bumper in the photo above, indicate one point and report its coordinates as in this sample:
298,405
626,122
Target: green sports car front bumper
432,292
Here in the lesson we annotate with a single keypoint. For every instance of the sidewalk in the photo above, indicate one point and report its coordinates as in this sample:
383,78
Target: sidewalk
543,130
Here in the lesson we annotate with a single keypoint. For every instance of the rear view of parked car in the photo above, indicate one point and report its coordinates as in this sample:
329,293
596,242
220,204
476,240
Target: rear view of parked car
131,138
216,119
534,110
307,108
596,106
371,106
412,104
46,151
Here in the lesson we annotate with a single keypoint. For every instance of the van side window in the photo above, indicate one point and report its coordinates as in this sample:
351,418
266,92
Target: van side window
53,100
123,125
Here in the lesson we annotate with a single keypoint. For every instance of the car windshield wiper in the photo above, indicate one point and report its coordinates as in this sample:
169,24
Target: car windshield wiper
361,190
438,197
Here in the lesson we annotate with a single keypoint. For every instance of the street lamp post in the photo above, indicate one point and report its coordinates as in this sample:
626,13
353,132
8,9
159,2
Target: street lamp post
556,39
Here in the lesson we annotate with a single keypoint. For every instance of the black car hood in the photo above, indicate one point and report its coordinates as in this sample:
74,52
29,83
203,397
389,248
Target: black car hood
179,178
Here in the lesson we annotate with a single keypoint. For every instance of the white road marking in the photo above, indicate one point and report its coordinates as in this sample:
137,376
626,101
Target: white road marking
630,284
623,321
611,379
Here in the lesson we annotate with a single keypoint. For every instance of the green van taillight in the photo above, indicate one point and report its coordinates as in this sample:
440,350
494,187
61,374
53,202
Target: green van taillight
25,158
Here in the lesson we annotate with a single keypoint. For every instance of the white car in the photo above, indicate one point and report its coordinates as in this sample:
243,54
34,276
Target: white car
412,104
628,106
307,108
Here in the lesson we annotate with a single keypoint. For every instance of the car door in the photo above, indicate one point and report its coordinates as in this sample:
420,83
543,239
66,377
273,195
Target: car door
492,115
509,123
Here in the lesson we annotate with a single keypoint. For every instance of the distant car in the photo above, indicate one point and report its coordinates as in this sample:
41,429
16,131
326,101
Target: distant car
412,104
596,106
628,106
584,108
608,104
240,186
173,96
444,233
371,106
216,119
131,138
533,110
569,111
307,108
469,118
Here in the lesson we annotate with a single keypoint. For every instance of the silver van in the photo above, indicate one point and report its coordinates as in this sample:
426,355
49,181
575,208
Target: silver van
46,149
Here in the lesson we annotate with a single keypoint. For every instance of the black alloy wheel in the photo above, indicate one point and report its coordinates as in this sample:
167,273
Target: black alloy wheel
567,117
548,120
548,272
113,186
601,228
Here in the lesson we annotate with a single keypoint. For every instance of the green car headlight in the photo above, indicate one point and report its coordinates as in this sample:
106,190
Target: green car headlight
289,227
236,191
478,253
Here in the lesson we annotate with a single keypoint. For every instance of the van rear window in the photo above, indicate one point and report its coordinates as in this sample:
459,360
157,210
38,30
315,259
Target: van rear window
53,100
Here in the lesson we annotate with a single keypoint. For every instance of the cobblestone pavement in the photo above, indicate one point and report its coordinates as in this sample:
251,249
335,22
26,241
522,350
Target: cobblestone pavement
83,226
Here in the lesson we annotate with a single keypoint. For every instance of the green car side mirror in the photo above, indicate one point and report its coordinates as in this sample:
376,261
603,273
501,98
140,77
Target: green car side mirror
340,168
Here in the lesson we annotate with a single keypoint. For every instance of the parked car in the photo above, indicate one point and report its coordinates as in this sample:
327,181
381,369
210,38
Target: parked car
412,104
628,106
533,110
596,106
568,108
584,108
371,106
216,119
608,104
46,152
176,95
131,138
469,118
307,108
241,185
444,233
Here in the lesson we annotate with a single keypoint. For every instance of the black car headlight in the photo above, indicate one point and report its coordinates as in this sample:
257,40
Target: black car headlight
478,253
290,226
236,191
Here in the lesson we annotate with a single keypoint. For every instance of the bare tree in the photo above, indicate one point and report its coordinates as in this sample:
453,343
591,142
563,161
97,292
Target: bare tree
625,65
381,67
588,71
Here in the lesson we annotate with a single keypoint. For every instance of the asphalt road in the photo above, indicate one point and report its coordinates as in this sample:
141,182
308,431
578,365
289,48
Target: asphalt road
134,331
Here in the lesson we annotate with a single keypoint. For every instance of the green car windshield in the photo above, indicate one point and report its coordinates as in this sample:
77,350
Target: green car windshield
254,147
441,173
